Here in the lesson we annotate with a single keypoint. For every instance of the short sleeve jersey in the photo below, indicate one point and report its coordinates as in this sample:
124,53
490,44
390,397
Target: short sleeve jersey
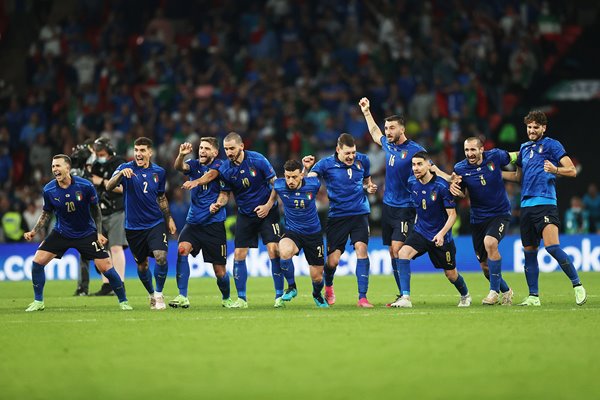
299,205
485,185
140,195
432,199
345,184
203,196
72,207
398,169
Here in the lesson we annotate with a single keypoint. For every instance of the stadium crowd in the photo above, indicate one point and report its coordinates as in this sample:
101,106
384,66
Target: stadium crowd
284,74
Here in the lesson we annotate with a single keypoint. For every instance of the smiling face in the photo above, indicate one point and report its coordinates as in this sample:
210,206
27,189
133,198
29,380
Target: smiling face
420,167
346,154
142,154
393,131
206,153
233,150
535,131
61,170
473,152
293,179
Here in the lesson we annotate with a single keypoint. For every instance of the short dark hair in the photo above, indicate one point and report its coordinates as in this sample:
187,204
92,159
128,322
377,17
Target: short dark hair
233,136
536,116
475,139
422,154
143,141
346,139
211,140
63,157
292,165
395,118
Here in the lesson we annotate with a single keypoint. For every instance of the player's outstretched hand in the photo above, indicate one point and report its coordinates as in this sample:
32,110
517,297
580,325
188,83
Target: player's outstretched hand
127,173
371,188
172,226
189,185
29,235
365,105
262,211
549,167
185,148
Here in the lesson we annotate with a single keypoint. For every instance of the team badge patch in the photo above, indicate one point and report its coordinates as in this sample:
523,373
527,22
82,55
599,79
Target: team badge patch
155,178
359,165
541,149
78,196
491,166
433,196
403,154
309,195
252,172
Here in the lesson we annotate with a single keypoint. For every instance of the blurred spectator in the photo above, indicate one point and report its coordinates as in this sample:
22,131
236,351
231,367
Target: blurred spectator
576,217
12,221
591,201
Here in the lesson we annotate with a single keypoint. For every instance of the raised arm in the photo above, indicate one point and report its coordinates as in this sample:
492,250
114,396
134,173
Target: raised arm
365,107
308,162
163,204
42,223
116,179
184,150
441,174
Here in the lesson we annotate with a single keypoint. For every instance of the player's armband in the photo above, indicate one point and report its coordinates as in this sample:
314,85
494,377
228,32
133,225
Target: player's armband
513,157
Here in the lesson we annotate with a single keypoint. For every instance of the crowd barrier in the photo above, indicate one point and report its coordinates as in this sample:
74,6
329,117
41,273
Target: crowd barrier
15,259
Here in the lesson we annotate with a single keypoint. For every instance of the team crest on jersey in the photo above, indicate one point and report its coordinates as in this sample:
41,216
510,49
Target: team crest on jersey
491,166
309,195
252,172
433,195
403,154
541,149
155,178
358,165
78,196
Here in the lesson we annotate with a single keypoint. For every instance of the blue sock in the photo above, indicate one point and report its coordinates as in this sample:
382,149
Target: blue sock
182,275
160,274
328,274
495,274
115,283
532,272
504,286
404,272
461,286
223,284
565,263
240,277
38,278
276,271
362,276
396,274
287,266
146,278
317,287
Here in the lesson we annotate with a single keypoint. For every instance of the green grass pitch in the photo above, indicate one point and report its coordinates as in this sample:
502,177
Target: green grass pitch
86,348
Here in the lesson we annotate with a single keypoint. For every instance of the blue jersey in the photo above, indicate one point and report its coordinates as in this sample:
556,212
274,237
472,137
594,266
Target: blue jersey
299,205
432,199
248,181
485,185
398,168
72,207
140,193
205,195
345,184
539,187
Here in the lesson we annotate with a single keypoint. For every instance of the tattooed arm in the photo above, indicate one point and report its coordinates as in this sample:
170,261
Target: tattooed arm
163,204
97,216
42,223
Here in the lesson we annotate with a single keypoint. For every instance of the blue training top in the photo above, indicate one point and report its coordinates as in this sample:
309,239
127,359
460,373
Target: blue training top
248,181
539,187
485,185
72,207
299,205
140,193
432,199
205,195
345,184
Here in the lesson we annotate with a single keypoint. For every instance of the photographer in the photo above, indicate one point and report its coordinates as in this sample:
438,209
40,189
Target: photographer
111,205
